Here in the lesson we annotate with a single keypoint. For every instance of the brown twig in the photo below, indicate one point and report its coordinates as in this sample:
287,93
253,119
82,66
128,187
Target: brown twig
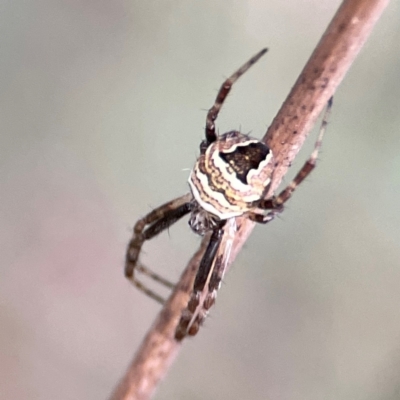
318,81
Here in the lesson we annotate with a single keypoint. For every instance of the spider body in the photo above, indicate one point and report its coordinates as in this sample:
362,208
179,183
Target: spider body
231,175
230,178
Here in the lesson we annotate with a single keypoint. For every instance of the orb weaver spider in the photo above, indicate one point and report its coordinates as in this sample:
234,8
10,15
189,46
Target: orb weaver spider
230,178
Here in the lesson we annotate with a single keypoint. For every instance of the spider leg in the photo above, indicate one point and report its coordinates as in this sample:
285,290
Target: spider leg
203,273
276,203
145,229
199,301
221,96
208,280
222,258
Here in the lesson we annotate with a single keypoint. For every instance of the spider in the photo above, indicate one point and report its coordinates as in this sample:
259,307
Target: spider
230,178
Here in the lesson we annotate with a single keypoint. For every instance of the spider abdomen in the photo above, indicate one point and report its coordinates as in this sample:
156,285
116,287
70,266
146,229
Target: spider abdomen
231,175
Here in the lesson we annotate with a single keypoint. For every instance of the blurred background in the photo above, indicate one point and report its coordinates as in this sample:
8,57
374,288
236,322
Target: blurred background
102,111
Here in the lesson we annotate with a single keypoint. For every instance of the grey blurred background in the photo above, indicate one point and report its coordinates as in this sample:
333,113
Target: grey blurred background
102,111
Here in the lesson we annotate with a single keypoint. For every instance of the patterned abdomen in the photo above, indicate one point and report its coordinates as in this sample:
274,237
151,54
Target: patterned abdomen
232,174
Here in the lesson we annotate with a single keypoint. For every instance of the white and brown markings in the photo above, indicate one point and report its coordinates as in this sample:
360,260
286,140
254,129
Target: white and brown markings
230,178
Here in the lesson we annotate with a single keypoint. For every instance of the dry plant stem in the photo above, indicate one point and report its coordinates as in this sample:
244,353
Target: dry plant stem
318,81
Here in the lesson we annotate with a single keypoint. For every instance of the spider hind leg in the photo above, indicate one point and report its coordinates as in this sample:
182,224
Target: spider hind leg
276,203
208,280
147,228
197,308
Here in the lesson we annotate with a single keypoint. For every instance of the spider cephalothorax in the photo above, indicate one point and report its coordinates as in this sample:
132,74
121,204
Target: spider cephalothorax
230,178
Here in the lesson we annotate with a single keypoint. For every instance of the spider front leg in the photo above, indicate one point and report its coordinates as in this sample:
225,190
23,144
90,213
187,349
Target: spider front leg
145,229
213,112
276,203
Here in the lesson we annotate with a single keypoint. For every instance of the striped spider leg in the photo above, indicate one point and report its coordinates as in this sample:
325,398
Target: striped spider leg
208,281
275,203
223,92
145,229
